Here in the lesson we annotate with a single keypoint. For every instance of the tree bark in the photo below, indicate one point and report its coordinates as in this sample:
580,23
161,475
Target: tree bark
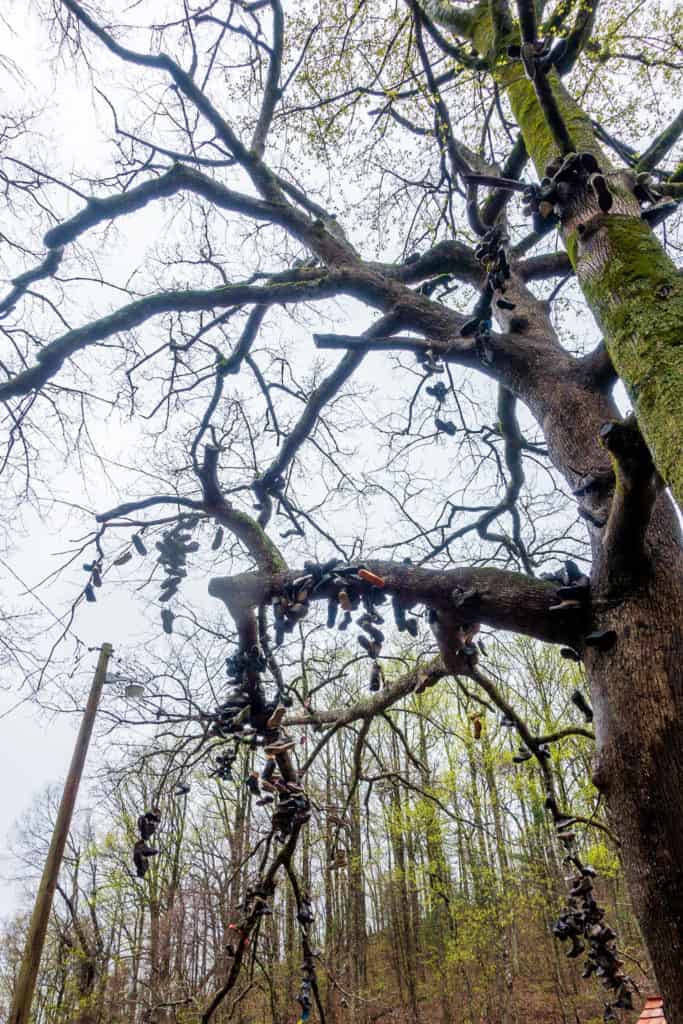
636,295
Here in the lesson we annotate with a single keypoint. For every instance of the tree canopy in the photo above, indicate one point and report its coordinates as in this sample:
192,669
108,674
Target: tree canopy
363,282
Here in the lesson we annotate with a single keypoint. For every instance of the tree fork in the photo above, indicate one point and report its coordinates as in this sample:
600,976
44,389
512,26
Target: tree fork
633,288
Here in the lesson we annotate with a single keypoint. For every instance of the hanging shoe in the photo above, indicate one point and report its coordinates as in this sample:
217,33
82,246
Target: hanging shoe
579,591
280,746
602,640
275,719
576,950
146,851
566,606
580,702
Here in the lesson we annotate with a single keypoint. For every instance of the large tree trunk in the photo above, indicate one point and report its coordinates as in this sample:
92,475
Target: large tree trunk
637,695
637,691
632,286
637,687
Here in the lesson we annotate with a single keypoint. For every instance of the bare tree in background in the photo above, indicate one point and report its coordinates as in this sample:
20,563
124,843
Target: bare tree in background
243,124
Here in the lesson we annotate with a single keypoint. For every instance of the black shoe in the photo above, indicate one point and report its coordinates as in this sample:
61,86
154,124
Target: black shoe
580,702
576,950
603,640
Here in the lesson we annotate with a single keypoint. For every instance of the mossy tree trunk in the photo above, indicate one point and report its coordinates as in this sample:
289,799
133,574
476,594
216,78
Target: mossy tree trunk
634,290
636,295
632,287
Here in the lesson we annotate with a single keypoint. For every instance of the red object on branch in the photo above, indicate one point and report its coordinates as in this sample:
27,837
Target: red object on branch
236,928
370,577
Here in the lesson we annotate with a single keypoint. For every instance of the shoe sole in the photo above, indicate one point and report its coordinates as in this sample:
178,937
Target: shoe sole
279,748
276,717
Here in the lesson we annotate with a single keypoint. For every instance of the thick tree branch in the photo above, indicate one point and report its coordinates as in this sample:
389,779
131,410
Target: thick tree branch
52,357
664,142
417,678
262,549
256,170
448,257
501,22
457,52
503,600
597,366
458,19
512,435
124,510
47,268
271,93
177,178
539,268
515,163
636,489
551,111
527,20
578,37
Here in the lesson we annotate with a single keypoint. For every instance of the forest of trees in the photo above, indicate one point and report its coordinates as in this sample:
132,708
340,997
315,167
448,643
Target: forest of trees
341,374
444,911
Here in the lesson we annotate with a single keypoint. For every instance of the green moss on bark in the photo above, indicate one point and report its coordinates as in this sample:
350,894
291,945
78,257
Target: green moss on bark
532,123
631,285
636,294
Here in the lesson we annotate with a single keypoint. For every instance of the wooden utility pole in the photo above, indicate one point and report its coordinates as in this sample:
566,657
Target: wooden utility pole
23,993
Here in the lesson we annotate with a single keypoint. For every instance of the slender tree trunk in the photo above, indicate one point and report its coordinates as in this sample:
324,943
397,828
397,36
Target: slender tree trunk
406,934
357,937
505,883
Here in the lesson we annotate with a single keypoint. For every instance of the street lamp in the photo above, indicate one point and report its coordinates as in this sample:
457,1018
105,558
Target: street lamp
132,691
